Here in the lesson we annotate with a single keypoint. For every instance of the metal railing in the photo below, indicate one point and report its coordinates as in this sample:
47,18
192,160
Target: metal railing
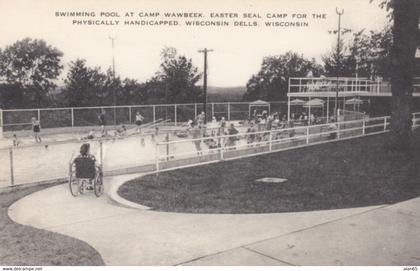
148,152
345,84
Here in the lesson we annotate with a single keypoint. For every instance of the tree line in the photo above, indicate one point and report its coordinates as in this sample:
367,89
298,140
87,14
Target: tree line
30,68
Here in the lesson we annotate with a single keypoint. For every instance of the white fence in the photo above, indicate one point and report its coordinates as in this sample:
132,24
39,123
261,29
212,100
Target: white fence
34,163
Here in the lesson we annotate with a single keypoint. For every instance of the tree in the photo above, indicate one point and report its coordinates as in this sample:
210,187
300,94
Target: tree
366,55
339,62
87,86
272,81
111,90
132,92
12,96
179,77
405,32
379,48
31,65
83,85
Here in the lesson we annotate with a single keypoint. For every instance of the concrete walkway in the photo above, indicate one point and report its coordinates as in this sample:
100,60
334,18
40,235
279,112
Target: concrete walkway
134,235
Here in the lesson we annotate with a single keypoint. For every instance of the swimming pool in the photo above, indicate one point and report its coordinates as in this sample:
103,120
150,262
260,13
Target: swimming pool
50,159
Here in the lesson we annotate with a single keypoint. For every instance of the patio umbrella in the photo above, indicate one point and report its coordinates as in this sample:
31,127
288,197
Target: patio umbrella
259,104
354,101
297,102
314,103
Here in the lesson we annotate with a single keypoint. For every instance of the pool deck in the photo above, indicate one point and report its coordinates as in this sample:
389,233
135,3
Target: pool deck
125,233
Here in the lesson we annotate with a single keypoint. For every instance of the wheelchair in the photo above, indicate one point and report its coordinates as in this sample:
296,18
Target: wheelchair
85,175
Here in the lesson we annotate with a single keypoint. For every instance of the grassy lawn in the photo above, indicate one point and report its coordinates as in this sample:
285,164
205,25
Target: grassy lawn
24,245
352,173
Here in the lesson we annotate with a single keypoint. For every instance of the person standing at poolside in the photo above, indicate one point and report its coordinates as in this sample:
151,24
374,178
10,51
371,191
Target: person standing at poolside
201,119
231,140
36,129
213,126
189,124
250,134
254,115
102,122
222,125
196,135
221,131
139,120
276,122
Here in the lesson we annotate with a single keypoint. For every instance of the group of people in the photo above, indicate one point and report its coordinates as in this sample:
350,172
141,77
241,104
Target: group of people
118,132
259,125
122,130
199,129
305,119
264,121
277,120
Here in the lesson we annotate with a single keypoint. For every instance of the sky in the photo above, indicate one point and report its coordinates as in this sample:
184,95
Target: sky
238,50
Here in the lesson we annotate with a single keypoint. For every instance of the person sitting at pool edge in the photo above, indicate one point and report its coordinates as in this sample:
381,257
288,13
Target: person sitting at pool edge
91,135
16,141
122,131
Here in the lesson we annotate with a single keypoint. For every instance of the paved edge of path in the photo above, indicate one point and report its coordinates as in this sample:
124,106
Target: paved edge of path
112,192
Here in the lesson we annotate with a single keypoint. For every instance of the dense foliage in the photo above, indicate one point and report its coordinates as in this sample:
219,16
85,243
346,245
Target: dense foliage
272,81
365,55
28,71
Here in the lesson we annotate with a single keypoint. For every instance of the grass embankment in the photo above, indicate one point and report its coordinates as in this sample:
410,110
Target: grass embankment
352,173
25,245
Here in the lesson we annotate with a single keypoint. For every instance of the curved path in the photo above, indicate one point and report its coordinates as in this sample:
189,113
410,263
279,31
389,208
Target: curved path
130,234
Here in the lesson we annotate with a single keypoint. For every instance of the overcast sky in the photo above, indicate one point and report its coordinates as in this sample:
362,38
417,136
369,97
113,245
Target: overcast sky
238,51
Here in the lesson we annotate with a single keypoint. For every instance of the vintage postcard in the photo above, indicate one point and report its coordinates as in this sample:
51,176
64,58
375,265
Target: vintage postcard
247,133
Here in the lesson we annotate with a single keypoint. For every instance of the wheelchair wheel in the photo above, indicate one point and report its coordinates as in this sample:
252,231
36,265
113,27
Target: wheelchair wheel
74,183
98,185
75,186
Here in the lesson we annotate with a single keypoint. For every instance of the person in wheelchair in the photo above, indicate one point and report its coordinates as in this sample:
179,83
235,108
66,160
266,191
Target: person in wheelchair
85,165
